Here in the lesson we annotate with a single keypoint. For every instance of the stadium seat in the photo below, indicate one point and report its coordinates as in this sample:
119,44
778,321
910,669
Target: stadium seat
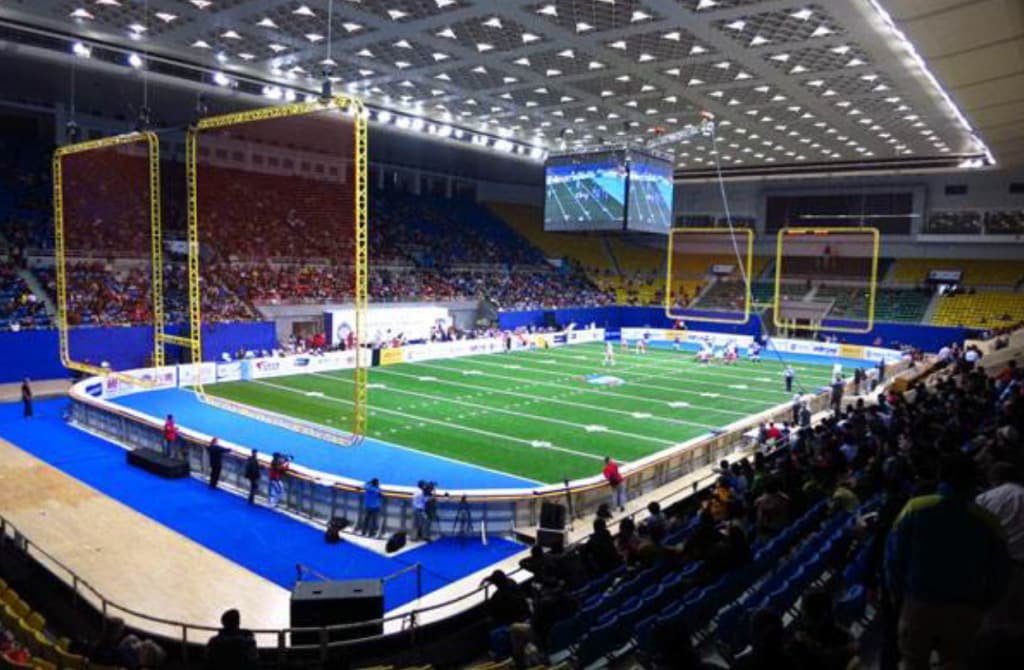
852,605
567,631
601,641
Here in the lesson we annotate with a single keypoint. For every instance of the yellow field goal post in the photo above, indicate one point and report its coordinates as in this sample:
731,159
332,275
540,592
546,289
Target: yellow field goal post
319,125
826,279
704,260
91,182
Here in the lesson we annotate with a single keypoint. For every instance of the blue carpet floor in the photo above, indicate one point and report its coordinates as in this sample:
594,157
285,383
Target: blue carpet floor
404,466
261,540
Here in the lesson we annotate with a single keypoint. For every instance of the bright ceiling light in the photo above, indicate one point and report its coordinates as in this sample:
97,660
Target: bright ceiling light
303,10
81,50
803,14
221,79
135,60
82,14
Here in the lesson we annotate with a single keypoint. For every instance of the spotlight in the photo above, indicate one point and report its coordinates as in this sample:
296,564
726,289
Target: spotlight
135,60
384,116
221,79
289,95
81,50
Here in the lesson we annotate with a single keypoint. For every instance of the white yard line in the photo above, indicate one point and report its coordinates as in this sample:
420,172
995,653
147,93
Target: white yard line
744,375
439,422
547,399
511,412
671,389
601,392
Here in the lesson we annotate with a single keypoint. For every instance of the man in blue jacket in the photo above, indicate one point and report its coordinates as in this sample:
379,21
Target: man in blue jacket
371,507
946,564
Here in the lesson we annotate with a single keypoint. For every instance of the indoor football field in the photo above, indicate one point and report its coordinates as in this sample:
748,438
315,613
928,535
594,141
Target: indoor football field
545,415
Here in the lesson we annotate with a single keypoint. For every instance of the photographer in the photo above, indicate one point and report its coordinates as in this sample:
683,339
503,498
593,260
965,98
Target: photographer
278,467
419,509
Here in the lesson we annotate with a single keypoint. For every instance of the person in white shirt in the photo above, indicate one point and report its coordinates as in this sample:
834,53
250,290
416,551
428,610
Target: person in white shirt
1005,500
609,354
837,370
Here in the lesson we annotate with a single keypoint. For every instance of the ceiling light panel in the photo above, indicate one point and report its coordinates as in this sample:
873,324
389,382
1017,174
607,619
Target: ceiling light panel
781,26
544,62
659,45
403,10
496,32
116,19
404,54
595,16
817,58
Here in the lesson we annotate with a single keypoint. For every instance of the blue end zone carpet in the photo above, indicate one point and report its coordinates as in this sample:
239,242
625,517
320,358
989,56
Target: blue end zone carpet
403,466
261,540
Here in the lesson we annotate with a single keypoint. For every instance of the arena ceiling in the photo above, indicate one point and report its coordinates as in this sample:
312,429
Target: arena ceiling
815,85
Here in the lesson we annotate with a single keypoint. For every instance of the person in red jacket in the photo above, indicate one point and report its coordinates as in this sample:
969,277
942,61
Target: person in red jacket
170,436
616,481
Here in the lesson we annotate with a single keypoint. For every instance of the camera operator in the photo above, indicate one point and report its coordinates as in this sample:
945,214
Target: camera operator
279,465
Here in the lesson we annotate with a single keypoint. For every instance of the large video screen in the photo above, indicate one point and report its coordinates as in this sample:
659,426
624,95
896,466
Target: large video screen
650,194
585,192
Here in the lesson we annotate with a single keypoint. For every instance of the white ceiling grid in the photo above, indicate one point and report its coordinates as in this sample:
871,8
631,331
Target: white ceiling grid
789,82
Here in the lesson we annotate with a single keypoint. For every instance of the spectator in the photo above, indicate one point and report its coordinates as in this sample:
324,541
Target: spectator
600,552
616,482
232,648
1005,500
117,647
26,399
170,436
279,465
655,522
772,510
252,473
818,641
627,543
419,509
507,604
371,507
946,564
215,453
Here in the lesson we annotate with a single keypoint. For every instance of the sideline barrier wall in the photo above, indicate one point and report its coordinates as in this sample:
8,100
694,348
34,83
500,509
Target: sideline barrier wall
320,496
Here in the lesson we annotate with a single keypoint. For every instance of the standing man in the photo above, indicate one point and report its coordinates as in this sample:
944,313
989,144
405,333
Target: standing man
419,510
797,402
26,399
371,507
170,435
252,473
278,466
881,370
615,480
837,394
215,452
858,380
946,564
788,375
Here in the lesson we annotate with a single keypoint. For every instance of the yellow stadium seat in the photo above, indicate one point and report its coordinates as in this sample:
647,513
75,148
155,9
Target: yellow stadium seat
9,597
3,584
43,664
21,608
36,621
69,661
981,310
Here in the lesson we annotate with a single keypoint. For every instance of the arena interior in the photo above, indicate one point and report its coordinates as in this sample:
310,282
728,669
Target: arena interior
534,334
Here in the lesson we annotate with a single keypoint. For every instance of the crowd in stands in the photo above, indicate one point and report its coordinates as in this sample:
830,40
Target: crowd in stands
19,306
913,505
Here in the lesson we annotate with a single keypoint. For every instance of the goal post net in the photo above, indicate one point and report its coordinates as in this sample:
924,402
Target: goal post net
107,251
278,215
826,279
708,273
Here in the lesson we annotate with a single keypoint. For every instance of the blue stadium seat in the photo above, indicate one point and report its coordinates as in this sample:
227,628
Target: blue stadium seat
852,606
601,641
567,631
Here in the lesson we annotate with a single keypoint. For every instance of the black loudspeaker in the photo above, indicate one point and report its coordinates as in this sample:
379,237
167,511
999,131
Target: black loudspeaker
332,603
333,533
395,542
157,463
552,516
551,539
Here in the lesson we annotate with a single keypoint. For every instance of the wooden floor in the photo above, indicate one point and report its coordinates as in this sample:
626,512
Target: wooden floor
130,559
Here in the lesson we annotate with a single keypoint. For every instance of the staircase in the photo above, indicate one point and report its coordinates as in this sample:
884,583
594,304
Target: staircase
933,306
40,291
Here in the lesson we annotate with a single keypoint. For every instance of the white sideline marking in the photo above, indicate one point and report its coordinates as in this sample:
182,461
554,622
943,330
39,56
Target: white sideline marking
423,421
376,386
710,395
594,428
425,379
512,367
498,410
531,398
471,373
677,404
315,394
741,387
641,415
540,443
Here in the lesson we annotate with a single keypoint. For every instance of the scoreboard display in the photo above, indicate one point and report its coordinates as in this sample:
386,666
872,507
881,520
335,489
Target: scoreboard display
608,190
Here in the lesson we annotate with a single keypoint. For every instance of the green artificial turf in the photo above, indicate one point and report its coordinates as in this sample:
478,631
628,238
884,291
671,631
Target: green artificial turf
532,413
